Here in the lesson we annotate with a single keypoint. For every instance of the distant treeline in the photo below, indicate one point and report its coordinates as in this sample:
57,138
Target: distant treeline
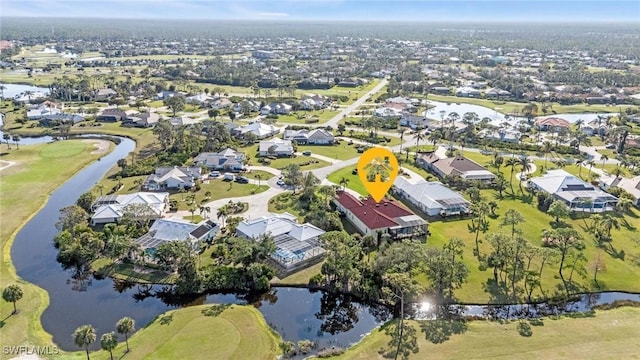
621,38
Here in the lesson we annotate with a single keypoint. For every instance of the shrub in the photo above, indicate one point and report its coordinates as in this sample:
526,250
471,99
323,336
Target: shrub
524,329
329,352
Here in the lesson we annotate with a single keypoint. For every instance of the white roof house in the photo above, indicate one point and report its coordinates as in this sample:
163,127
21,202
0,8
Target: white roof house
433,198
110,208
577,194
315,136
172,178
278,147
175,229
260,129
297,245
632,186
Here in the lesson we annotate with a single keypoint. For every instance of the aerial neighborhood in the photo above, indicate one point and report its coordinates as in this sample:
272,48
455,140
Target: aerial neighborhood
216,170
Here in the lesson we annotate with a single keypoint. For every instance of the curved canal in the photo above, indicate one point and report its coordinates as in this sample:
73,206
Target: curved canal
79,298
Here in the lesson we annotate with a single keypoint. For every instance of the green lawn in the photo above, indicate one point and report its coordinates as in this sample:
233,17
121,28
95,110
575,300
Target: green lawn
305,162
342,151
611,334
264,176
301,277
238,332
301,117
40,169
393,141
129,272
219,190
354,180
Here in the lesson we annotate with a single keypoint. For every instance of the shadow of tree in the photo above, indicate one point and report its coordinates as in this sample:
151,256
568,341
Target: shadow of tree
440,330
215,310
402,346
498,294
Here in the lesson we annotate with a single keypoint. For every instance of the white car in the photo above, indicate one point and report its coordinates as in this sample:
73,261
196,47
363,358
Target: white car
214,174
280,183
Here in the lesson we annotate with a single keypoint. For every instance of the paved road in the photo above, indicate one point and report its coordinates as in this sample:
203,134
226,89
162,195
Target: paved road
333,122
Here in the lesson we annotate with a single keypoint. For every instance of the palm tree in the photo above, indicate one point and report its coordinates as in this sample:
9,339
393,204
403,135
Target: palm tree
16,139
259,177
12,293
546,148
344,182
526,165
222,214
590,163
125,326
108,342
204,211
84,336
7,137
512,162
604,158
418,136
401,131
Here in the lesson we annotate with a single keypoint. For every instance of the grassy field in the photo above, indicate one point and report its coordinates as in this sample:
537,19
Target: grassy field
40,169
611,334
354,180
219,190
342,151
322,115
264,176
238,332
129,272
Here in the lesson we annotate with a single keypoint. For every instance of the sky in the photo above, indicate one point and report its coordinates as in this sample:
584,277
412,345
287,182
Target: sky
358,10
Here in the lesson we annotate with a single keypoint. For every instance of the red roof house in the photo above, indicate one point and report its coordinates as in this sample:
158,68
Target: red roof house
387,216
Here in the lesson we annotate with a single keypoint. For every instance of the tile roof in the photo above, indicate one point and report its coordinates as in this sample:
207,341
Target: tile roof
373,215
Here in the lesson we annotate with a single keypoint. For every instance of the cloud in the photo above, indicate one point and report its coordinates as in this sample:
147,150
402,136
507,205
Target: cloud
272,14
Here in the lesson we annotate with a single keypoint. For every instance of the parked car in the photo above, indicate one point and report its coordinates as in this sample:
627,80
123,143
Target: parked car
214,174
228,177
242,180
306,153
280,183
610,146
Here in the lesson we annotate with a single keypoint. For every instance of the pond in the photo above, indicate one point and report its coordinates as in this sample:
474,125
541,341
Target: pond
12,90
77,298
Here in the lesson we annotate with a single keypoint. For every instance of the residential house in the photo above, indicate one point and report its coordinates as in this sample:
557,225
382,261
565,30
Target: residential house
297,245
554,124
60,119
221,103
577,194
433,198
276,108
310,137
414,121
275,147
440,90
173,229
142,120
227,160
104,94
199,99
595,127
251,105
175,178
259,129
165,94
467,91
111,115
44,109
146,205
388,112
387,216
630,185
454,166
496,93
504,135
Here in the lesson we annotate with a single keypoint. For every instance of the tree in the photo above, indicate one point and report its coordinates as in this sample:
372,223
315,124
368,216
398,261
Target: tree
213,113
293,176
563,239
526,165
232,115
125,326
85,201
122,163
343,254
558,209
512,218
12,294
512,162
175,103
344,182
222,213
108,342
7,137
341,129
604,158
419,136
71,217
84,336
16,139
